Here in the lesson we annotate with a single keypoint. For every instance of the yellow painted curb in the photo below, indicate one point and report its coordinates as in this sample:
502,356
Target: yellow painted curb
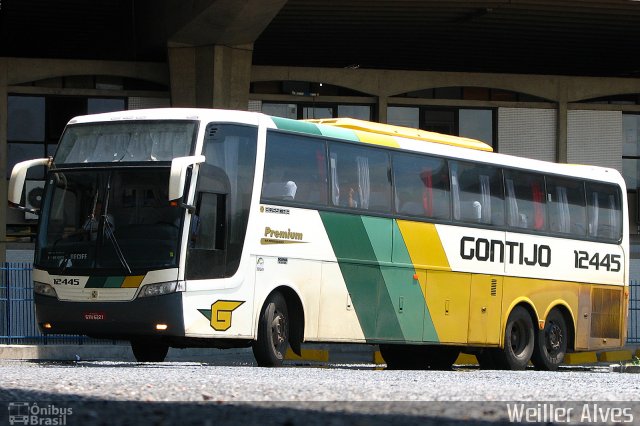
308,355
466,359
614,356
377,358
580,358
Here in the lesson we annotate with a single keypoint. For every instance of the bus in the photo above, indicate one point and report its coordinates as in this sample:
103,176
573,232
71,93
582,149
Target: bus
216,228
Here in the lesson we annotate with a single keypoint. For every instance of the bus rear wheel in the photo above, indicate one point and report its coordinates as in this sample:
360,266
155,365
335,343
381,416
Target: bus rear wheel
518,341
551,342
273,332
149,350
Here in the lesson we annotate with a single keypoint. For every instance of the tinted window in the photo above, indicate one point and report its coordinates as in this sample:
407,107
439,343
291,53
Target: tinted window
359,178
422,186
526,207
605,214
476,193
295,168
566,204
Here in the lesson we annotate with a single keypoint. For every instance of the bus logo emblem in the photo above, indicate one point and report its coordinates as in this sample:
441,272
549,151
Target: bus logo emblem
220,313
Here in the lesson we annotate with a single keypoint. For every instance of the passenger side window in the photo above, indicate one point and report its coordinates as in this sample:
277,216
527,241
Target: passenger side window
605,214
359,178
526,208
566,203
295,168
476,193
422,186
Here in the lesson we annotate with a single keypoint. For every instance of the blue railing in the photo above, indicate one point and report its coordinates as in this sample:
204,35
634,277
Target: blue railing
633,327
18,320
18,323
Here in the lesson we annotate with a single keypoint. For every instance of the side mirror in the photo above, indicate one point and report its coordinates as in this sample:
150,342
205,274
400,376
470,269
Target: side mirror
18,175
179,174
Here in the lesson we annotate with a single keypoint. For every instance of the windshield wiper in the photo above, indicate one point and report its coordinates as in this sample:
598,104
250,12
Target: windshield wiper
109,229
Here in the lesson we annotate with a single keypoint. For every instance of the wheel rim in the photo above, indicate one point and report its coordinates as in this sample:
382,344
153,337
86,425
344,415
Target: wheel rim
519,337
278,332
554,339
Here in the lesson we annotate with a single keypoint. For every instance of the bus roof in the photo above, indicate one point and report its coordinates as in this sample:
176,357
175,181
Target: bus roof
404,132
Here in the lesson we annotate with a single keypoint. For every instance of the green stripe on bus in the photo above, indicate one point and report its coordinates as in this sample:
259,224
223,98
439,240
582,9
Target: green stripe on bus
114,282
338,133
363,276
408,322
296,126
96,282
402,290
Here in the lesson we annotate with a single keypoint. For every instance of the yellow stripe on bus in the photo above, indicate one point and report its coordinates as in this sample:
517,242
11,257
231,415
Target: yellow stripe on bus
424,245
377,139
132,282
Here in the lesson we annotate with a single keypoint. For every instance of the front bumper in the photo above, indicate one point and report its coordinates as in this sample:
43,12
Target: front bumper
138,317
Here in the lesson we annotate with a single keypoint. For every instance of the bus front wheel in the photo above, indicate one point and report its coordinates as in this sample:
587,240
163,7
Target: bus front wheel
149,350
518,341
273,332
551,343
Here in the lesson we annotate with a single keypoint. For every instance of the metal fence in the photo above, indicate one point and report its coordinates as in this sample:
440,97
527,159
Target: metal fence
18,320
633,324
17,314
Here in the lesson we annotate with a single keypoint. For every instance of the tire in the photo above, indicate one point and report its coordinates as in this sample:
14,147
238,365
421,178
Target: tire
551,343
273,332
518,341
410,357
149,350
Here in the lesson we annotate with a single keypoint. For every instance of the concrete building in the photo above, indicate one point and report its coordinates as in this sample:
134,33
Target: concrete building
554,80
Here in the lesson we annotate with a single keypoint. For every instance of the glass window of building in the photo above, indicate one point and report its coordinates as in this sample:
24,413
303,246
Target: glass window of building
360,112
35,123
475,123
315,112
280,110
403,116
631,150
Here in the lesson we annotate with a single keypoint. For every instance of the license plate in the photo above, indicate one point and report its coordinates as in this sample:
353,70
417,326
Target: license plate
94,316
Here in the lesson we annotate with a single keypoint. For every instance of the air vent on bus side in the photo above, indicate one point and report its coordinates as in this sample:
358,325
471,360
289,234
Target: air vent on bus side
494,287
211,132
605,313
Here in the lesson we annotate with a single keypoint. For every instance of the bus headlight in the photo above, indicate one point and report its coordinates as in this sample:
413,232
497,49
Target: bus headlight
159,289
44,289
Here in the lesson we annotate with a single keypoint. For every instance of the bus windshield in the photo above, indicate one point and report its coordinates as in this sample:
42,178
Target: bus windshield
129,141
117,220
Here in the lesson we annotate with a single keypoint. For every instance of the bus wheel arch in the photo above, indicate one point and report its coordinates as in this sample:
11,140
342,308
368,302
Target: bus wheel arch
280,325
569,321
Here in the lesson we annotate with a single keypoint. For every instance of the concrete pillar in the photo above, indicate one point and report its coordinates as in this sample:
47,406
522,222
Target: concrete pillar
383,103
562,123
210,76
561,139
3,158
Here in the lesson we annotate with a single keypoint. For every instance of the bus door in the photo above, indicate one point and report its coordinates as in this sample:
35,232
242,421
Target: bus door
485,309
206,256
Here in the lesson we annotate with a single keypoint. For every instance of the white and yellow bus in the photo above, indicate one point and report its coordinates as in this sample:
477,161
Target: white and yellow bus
213,228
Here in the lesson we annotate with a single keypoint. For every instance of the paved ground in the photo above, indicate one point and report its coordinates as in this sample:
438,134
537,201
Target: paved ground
120,393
